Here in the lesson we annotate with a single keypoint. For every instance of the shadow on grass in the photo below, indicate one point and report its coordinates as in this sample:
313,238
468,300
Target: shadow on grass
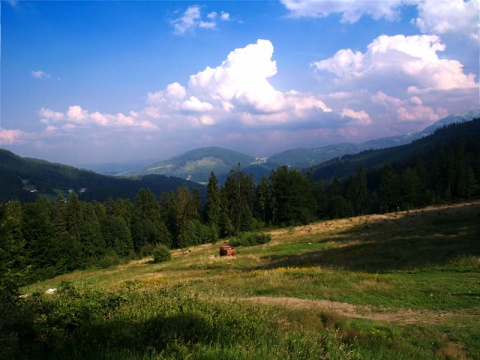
391,244
168,335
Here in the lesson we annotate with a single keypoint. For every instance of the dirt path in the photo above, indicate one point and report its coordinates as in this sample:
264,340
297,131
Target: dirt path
363,312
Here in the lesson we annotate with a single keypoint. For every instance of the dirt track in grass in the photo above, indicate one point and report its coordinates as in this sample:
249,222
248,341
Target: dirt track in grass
364,312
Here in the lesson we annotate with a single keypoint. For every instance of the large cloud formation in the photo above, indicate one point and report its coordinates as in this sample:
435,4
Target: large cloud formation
412,60
399,78
434,16
237,90
396,80
233,100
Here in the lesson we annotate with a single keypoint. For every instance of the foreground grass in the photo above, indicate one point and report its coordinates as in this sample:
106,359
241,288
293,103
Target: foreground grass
399,286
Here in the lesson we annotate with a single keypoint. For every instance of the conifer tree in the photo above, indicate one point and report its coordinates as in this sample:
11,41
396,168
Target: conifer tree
240,196
292,198
262,199
389,191
13,268
212,206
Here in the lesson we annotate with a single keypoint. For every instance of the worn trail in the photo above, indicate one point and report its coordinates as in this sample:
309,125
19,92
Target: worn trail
364,312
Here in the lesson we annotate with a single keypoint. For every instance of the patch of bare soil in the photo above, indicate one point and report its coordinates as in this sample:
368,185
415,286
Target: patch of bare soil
361,312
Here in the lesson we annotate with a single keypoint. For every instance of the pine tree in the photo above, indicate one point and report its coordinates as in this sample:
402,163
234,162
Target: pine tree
13,268
240,196
212,206
117,236
148,226
74,216
291,196
38,232
60,216
389,191
262,199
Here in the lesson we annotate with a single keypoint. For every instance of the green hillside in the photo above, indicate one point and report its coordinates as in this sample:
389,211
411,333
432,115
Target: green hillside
427,148
196,165
25,178
381,287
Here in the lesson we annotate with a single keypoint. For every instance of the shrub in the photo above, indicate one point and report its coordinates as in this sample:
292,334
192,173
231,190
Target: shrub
146,250
161,253
250,239
110,259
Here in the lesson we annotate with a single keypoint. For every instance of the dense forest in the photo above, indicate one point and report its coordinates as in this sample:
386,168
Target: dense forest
44,238
24,179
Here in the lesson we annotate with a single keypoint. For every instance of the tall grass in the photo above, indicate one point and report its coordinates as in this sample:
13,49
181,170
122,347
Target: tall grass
162,321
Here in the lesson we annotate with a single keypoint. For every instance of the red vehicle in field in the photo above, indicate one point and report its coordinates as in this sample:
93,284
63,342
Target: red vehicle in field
226,250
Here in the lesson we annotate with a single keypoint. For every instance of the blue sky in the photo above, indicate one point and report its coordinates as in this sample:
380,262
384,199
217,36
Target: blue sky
86,82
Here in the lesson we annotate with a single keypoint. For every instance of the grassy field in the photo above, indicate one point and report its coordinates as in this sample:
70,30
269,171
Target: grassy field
396,286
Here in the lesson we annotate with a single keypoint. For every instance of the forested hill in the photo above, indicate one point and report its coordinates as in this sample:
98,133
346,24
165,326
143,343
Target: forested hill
197,165
25,178
431,149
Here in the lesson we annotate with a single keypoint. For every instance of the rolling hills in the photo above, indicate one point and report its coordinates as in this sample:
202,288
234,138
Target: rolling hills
25,178
427,148
197,164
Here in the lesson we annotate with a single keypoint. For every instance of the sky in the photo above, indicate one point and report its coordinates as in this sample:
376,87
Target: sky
90,82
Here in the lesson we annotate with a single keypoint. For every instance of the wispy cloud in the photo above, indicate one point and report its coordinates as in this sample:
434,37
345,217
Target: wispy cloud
192,18
351,10
39,74
13,137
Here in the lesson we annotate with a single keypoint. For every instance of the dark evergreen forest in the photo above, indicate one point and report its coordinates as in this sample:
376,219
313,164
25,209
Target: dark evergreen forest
42,239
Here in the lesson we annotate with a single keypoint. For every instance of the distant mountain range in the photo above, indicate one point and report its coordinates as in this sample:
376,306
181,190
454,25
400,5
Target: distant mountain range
196,165
25,178
426,148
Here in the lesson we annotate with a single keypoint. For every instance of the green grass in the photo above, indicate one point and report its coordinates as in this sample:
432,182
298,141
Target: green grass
400,286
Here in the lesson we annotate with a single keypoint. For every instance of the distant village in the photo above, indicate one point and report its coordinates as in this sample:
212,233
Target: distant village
27,186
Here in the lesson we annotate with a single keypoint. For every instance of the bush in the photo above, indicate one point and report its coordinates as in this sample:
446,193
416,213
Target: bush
146,250
110,259
161,254
250,239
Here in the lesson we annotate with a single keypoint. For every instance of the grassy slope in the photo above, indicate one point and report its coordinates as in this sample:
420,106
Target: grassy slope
400,285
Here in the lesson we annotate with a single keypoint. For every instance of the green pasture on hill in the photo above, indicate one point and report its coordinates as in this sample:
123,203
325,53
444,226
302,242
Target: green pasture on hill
396,286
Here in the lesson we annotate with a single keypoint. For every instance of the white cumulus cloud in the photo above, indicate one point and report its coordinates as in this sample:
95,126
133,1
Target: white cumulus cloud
237,91
76,117
242,80
193,104
404,62
358,117
449,17
13,137
401,79
434,16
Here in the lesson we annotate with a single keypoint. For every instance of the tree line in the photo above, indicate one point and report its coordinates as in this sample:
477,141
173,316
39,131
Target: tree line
42,239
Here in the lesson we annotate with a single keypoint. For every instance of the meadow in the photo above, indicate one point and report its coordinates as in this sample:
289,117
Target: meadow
402,285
